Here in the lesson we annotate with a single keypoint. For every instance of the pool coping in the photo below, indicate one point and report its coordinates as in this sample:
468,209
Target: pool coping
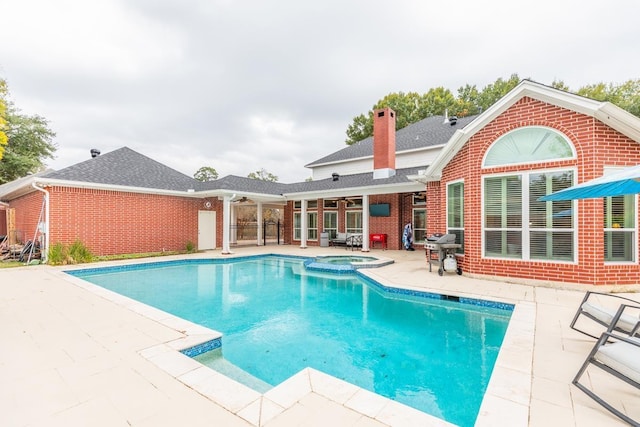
507,396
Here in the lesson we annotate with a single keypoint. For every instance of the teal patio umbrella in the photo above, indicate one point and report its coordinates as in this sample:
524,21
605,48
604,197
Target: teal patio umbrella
626,181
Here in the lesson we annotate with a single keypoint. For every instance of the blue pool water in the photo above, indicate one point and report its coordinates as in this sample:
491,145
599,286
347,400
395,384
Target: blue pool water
277,318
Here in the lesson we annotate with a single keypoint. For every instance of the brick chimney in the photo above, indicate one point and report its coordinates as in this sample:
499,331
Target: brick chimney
384,143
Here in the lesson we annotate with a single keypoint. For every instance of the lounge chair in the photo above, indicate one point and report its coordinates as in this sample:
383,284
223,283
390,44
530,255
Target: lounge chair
606,309
619,356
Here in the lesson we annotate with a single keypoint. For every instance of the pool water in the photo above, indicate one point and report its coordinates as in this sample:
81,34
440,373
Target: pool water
278,318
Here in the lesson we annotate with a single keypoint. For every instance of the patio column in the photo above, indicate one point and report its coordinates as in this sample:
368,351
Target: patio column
233,224
365,223
260,229
226,224
303,224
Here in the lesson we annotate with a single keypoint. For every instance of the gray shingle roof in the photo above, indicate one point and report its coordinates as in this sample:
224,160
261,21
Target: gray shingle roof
248,185
351,181
428,132
127,168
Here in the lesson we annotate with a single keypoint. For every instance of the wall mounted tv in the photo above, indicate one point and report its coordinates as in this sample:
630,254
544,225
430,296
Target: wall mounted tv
379,209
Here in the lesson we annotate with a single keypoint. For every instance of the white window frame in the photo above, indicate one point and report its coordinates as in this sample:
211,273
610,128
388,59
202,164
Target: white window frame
297,230
525,230
448,226
633,231
500,138
415,228
346,222
312,230
331,230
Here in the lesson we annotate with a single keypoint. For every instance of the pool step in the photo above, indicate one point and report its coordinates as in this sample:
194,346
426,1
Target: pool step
216,361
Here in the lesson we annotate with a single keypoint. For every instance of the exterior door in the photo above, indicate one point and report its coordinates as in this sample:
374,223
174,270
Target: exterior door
206,230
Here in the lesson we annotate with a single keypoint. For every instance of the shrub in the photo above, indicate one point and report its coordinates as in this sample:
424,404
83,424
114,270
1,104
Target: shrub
57,254
191,248
79,253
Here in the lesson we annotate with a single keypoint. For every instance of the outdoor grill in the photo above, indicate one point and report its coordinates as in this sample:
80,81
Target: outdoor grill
444,245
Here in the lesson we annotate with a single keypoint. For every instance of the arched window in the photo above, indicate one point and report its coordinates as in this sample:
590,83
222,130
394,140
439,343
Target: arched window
530,144
516,224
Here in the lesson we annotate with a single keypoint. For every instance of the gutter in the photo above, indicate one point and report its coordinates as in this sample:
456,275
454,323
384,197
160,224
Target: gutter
45,247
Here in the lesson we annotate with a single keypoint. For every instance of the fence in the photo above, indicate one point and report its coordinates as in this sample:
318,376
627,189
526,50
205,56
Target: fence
247,233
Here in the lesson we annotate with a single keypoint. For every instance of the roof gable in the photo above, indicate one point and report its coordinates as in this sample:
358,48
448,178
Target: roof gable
611,115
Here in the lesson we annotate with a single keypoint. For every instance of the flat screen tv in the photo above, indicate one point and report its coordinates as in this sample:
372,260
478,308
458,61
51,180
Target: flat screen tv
379,209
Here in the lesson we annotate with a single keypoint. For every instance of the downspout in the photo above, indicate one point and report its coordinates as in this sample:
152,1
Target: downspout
45,249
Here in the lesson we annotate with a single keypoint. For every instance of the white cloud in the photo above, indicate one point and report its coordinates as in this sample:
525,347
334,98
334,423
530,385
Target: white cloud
245,85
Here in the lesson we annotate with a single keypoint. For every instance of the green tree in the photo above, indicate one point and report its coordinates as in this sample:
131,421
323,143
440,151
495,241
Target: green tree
625,95
467,101
263,175
560,84
3,115
29,143
360,128
494,91
412,107
206,173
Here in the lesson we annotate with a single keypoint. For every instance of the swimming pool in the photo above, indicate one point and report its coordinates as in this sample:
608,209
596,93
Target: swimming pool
430,353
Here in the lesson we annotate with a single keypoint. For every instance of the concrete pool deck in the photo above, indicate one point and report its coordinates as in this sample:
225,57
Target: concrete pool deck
72,355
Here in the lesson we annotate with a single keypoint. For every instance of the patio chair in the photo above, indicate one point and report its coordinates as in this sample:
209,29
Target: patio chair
354,240
619,356
339,240
608,309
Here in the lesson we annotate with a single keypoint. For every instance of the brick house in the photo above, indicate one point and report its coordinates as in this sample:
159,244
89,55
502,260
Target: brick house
535,141
477,177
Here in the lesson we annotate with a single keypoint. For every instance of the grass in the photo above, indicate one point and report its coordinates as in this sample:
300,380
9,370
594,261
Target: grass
10,264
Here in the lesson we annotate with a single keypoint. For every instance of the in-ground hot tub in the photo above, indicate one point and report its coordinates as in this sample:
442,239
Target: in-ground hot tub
344,263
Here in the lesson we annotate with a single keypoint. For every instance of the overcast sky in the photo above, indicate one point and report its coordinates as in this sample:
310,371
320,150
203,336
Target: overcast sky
246,84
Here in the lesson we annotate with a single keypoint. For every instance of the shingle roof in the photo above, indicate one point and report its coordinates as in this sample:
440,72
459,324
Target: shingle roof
249,185
351,181
127,168
428,132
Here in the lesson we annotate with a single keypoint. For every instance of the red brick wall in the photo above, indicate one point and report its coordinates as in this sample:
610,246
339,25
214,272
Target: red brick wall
111,222
27,212
400,209
596,146
3,222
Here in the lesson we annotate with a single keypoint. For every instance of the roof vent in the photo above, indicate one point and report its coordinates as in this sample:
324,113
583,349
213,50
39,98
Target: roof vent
453,120
95,153
335,176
